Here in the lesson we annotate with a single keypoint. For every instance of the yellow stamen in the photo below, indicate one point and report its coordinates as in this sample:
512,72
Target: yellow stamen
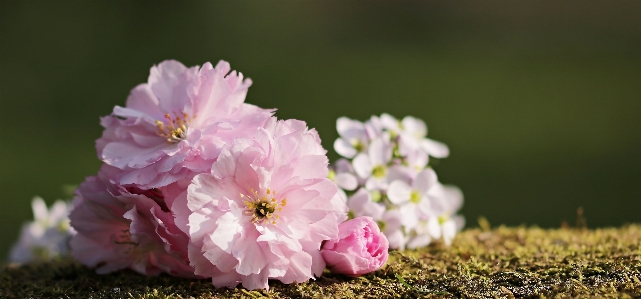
174,129
263,207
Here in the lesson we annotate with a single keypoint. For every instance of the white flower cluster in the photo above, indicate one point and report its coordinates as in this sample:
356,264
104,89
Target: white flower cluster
47,236
385,174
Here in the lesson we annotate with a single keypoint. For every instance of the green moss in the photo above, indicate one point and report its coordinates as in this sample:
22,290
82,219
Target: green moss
498,263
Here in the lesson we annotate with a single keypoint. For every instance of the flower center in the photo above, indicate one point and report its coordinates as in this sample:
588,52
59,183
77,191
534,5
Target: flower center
263,208
379,171
174,129
415,197
358,145
376,195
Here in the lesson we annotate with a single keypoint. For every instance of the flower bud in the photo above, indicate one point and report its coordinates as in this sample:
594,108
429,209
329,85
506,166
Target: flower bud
361,248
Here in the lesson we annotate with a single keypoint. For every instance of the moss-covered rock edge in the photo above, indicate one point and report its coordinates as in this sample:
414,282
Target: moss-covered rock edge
499,263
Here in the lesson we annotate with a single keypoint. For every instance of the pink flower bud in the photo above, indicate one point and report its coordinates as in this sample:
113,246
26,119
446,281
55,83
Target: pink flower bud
361,248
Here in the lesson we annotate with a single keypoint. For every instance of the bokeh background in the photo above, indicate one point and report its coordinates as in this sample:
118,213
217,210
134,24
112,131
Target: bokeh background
539,102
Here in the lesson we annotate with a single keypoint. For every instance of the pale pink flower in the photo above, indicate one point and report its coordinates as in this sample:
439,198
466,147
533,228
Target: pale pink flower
360,248
373,165
175,125
343,174
355,136
412,133
416,161
445,201
395,186
129,227
413,200
264,210
362,203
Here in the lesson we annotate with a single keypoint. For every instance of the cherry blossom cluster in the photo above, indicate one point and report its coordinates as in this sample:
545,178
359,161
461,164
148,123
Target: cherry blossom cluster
385,174
197,183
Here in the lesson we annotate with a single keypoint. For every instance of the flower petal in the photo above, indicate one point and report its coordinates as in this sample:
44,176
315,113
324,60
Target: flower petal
424,180
399,192
344,148
362,165
434,148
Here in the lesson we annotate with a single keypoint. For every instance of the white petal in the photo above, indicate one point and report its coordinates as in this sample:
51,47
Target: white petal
424,180
389,122
410,218
361,205
346,181
455,197
433,228
449,232
434,148
399,192
349,128
362,165
421,240
40,212
380,151
373,127
399,172
408,143
417,159
414,126
396,239
343,165
424,208
373,183
358,200
393,220
58,212
344,149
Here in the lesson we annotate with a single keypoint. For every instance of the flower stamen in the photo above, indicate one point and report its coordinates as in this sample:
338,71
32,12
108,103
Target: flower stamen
263,208
379,171
175,129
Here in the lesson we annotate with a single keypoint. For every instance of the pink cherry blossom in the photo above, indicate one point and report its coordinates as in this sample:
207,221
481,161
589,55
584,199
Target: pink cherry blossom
264,210
360,248
175,125
126,227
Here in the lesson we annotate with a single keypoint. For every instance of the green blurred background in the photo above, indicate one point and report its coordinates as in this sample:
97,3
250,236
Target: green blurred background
539,101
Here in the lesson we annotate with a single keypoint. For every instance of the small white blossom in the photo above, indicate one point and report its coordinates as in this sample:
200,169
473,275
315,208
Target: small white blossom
388,166
353,137
342,173
413,199
411,133
47,236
